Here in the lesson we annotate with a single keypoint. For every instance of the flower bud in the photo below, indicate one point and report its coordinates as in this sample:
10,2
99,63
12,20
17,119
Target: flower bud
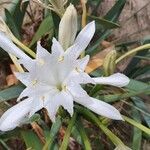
68,27
109,63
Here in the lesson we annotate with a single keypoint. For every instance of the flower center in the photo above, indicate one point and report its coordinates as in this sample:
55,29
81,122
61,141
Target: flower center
34,82
61,87
61,58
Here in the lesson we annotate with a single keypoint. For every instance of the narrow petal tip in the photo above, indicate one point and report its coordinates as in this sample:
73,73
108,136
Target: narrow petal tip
117,79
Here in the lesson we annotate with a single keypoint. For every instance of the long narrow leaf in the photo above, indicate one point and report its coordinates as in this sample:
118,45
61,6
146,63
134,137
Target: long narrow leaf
137,133
53,132
137,124
68,132
11,93
84,137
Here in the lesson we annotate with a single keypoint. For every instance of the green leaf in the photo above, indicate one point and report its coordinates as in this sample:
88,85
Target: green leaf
106,24
68,132
132,65
137,85
46,27
31,140
19,13
89,115
4,145
34,118
115,11
140,104
136,124
75,134
112,15
52,135
95,89
85,139
11,24
137,133
11,92
96,3
117,97
10,134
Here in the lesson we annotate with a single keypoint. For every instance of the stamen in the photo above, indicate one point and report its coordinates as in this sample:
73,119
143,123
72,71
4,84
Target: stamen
64,87
34,82
61,58
78,69
41,62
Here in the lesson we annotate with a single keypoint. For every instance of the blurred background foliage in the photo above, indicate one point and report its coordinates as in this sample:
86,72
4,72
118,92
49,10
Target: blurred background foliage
30,22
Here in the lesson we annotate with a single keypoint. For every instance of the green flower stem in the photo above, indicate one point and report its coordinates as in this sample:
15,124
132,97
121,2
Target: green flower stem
18,66
140,48
25,48
68,132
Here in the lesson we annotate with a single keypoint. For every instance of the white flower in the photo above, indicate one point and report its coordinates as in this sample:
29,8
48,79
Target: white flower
54,80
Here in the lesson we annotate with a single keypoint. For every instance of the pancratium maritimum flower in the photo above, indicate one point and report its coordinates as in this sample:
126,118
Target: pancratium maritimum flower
55,80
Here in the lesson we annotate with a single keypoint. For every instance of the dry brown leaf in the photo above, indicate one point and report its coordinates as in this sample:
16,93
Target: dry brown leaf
106,44
11,80
38,130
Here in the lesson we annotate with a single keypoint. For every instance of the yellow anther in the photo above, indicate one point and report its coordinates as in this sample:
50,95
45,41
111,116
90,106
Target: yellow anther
78,69
64,87
41,62
34,82
61,58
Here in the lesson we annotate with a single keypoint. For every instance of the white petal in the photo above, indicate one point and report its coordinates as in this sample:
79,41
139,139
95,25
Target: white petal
41,52
82,40
15,116
52,107
36,105
66,101
36,90
118,80
57,49
29,64
100,107
41,101
86,34
60,99
52,110
10,47
76,90
83,62
64,68
23,77
79,78
84,78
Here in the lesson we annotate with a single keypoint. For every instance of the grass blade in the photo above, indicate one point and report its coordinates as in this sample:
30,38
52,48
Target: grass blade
68,132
